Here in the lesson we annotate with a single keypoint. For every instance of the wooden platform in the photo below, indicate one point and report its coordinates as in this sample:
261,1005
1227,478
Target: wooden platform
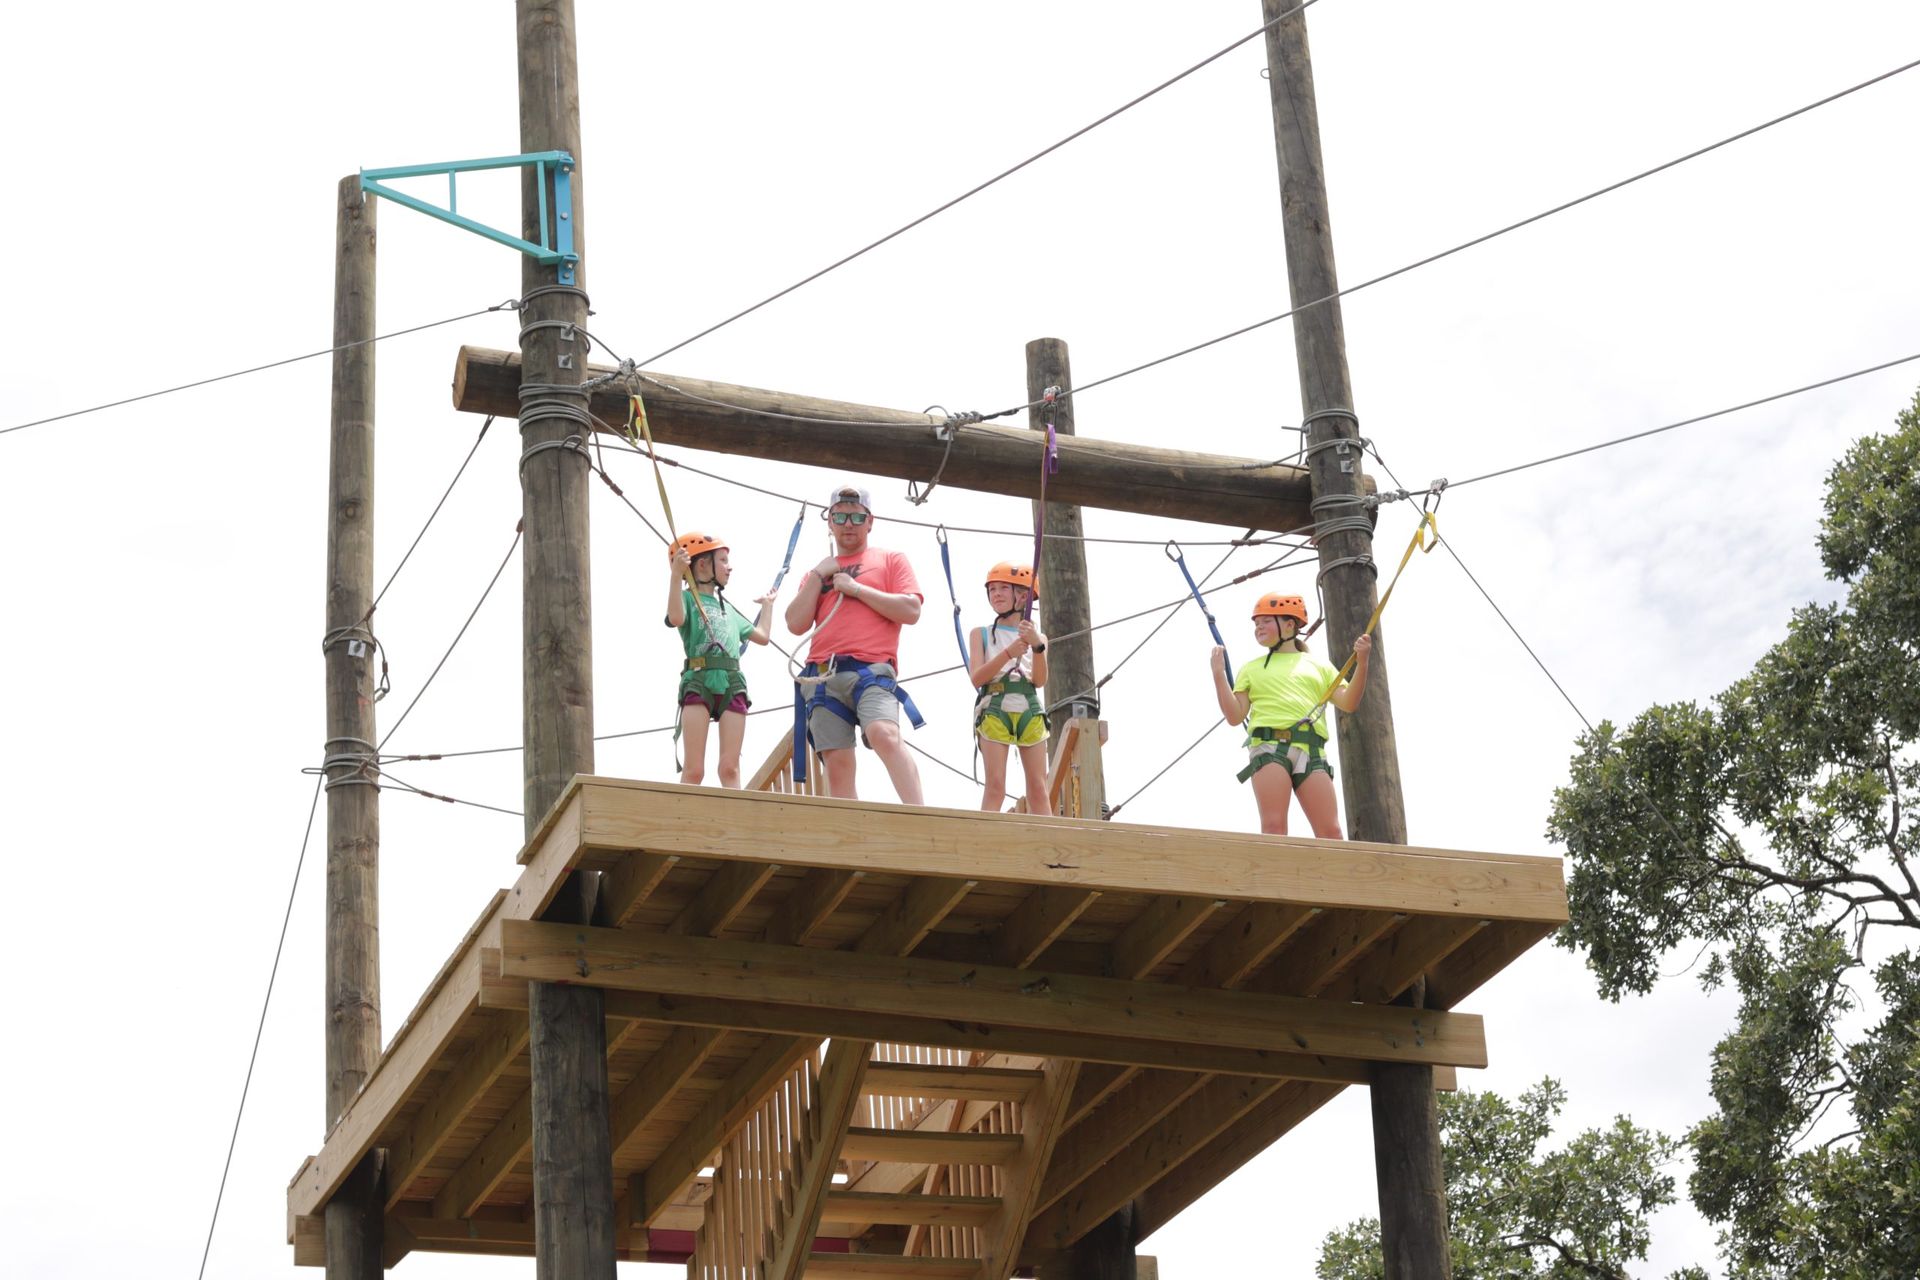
1033,1021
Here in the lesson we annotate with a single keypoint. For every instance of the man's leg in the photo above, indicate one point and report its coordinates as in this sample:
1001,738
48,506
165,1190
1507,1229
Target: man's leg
839,764
884,736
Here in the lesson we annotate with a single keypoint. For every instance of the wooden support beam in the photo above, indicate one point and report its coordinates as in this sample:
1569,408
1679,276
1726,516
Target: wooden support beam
722,898
1036,922
1040,1124
912,916
933,1080
1244,943
1486,953
450,1104
807,832
1243,492
1393,964
803,1021
1158,932
1121,1119
920,1146
631,881
817,896
492,1159
909,1209
828,1112
1207,1167
1322,951
659,1079
913,988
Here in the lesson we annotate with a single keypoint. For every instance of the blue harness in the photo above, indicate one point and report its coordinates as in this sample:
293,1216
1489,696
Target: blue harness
803,705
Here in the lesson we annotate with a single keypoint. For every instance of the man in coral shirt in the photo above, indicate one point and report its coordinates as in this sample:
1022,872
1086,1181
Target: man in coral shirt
859,598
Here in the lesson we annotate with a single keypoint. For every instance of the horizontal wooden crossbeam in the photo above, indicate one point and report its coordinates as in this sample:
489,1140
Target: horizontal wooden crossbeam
906,987
607,816
990,458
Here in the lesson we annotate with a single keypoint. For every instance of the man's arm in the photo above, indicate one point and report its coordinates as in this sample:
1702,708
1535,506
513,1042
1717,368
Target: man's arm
806,597
894,606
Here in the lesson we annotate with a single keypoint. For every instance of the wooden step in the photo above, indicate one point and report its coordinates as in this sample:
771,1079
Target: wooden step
911,1146
909,1209
928,1080
866,1266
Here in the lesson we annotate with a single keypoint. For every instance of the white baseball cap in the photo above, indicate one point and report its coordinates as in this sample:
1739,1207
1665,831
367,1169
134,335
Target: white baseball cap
850,492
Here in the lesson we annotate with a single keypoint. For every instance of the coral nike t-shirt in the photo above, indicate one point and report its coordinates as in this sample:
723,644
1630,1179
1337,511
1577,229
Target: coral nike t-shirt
856,631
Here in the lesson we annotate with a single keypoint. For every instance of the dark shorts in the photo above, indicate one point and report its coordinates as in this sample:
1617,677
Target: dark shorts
712,702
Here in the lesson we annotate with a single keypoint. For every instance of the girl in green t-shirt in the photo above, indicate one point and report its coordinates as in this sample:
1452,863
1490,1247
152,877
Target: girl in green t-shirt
715,635
1282,697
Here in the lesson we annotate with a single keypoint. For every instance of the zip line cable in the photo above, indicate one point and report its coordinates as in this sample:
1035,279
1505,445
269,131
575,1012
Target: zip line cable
966,195
1477,240
1684,422
253,1057
509,305
421,692
431,517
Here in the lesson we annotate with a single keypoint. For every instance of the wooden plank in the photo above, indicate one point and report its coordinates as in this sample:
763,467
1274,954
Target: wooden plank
888,1266
925,903
659,1079
1041,1122
1043,916
817,896
1177,1135
916,1146
876,441
492,1159
1098,1081
1322,951
652,1190
630,881
1485,954
792,1020
723,897
1155,934
933,1080
909,1208
1113,1128
452,1102
1392,965
807,831
913,988
423,1041
1158,1203
829,1110
1243,944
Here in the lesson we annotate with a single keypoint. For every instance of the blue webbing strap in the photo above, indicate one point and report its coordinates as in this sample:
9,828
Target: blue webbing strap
793,540
1174,554
946,564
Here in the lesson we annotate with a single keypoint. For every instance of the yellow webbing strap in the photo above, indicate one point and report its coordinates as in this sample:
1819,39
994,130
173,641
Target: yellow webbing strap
1418,543
637,416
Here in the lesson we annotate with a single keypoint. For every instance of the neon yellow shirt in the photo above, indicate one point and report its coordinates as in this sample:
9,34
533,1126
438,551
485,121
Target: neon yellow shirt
1283,688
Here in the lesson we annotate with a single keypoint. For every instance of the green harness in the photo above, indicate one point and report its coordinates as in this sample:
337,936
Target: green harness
715,677
1301,734
993,703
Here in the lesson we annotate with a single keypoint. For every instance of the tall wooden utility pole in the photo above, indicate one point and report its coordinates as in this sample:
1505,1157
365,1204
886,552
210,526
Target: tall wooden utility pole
354,1216
1413,1202
1106,1253
572,1148
1063,560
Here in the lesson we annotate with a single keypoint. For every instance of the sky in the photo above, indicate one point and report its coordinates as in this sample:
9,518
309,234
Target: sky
163,561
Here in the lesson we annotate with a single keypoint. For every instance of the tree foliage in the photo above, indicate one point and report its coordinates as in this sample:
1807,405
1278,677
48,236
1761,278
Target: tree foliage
1773,831
1518,1213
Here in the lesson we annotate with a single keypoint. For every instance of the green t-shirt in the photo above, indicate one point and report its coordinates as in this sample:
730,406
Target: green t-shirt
1283,687
733,627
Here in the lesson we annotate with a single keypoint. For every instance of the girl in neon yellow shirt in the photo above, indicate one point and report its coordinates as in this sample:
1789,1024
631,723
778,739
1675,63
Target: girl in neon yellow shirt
1282,697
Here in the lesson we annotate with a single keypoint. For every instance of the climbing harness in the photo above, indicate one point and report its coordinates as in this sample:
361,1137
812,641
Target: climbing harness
1301,747
1011,698
1173,553
810,691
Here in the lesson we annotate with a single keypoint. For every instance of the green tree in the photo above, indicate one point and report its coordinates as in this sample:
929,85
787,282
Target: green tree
1578,1213
1773,830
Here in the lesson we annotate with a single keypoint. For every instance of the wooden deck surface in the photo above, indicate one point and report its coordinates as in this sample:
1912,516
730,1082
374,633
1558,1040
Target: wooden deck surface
1213,990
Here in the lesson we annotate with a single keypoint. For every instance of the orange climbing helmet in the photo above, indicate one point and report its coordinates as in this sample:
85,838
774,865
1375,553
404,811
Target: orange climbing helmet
1278,606
1014,575
695,545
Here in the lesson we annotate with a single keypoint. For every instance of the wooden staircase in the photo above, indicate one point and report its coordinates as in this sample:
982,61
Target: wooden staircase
914,1161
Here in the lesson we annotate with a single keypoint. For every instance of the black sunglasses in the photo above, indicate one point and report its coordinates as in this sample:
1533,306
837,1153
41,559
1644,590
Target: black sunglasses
847,517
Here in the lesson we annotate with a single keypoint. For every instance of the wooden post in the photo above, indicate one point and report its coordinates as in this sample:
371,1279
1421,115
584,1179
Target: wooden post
1106,1253
354,1216
1413,1219
1063,560
572,1145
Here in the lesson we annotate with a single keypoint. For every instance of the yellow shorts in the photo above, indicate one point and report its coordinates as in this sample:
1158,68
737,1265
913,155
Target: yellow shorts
995,729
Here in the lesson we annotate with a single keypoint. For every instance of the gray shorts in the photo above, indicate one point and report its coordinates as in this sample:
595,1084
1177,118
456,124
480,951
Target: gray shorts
830,732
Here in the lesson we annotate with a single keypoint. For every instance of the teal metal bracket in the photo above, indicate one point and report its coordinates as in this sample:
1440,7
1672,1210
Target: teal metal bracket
556,228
